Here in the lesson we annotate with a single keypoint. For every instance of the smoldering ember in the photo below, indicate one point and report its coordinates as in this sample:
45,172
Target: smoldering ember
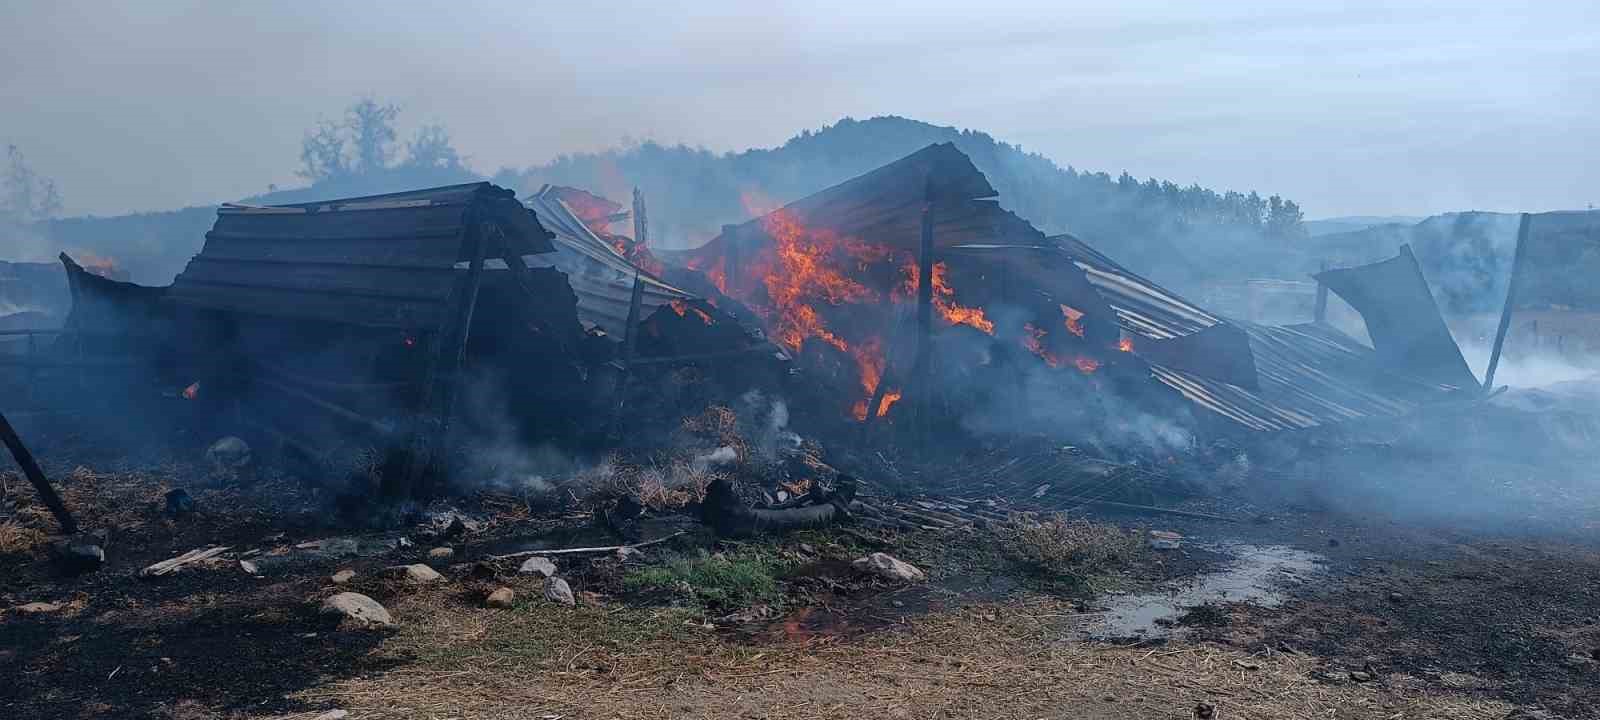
885,448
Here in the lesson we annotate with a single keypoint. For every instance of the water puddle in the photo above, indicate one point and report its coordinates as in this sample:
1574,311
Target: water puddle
1258,574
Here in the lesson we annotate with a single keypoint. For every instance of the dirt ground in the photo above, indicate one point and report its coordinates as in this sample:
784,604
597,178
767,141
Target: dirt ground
1397,622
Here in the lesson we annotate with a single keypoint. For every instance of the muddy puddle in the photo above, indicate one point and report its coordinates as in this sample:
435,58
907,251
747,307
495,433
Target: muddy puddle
1257,574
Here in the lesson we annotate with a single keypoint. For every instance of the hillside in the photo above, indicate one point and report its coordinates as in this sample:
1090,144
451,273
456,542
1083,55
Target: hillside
1176,233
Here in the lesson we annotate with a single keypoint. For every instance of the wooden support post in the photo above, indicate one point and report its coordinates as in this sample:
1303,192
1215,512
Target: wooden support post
36,476
1511,298
641,224
629,343
1321,316
469,304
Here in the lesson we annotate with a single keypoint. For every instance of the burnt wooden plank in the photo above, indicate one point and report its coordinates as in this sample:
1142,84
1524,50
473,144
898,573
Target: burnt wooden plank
353,224
320,306
416,283
397,251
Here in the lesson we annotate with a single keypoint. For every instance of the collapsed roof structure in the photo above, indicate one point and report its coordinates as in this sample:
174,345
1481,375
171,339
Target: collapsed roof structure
831,269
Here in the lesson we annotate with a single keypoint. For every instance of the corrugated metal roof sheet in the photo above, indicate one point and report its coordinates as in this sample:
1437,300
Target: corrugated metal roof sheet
601,277
381,261
1142,307
1308,375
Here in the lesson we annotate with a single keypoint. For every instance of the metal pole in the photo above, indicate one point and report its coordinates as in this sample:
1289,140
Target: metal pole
1322,298
1511,296
36,476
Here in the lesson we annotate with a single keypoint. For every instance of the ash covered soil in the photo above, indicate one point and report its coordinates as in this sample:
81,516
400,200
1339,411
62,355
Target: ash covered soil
1390,620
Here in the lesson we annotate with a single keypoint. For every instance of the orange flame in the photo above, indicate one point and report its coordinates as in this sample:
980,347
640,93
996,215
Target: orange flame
1086,365
1034,341
1125,344
1074,319
193,391
943,297
804,269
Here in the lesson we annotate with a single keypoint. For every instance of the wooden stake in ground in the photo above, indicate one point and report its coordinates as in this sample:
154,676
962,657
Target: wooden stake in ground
36,476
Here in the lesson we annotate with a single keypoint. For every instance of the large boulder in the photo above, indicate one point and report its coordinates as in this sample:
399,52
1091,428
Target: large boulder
541,566
558,591
358,609
230,454
889,567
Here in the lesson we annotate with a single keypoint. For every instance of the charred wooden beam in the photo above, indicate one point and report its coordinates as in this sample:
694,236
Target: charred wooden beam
41,484
1321,316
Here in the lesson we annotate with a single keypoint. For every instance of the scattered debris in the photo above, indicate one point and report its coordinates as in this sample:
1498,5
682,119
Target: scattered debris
537,565
889,567
500,598
1165,540
167,567
83,554
585,550
557,590
420,574
359,609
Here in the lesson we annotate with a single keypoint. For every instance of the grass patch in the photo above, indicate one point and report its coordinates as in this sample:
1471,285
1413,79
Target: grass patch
1074,550
719,582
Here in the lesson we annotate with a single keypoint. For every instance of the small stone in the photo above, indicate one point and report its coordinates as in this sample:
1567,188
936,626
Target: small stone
37,608
78,556
538,566
625,554
1360,676
808,549
249,568
557,590
229,453
500,598
420,574
359,609
343,576
889,567
179,502
441,553
333,715
1108,697
1333,542
456,528
1204,711
1395,597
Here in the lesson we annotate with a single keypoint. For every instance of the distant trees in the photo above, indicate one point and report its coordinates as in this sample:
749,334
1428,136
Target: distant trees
26,196
362,143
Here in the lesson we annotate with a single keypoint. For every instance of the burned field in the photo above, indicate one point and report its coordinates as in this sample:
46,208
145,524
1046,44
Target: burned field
449,453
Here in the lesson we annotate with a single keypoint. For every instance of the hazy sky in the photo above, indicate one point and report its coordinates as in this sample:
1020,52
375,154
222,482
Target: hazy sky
1349,108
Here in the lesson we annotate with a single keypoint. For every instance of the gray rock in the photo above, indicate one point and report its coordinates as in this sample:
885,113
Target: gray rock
538,566
249,567
359,609
37,608
441,553
343,576
500,598
557,590
889,567
420,574
228,454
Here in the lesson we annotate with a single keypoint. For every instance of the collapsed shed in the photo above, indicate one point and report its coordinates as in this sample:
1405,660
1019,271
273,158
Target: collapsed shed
352,321
834,278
